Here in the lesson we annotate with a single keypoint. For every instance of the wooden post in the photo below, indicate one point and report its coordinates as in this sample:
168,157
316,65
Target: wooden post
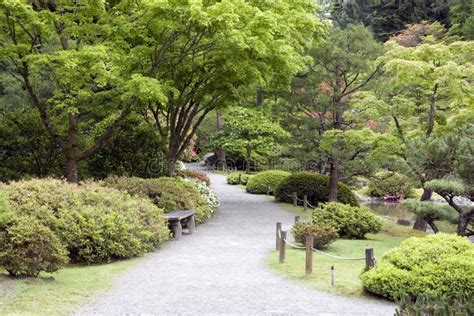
240,178
305,202
295,199
369,258
297,219
268,190
309,254
332,275
282,247
278,231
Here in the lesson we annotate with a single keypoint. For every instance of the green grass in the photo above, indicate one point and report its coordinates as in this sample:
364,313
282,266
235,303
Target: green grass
57,293
346,272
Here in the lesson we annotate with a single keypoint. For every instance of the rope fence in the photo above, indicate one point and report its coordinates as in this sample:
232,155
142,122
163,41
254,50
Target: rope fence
282,241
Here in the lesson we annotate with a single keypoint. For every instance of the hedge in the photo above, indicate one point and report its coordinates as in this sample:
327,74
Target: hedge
233,178
266,181
94,224
437,265
315,186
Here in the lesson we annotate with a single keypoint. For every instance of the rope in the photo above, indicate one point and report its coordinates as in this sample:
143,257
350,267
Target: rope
293,245
335,257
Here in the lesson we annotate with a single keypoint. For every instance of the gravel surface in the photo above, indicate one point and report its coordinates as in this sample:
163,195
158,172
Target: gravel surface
220,269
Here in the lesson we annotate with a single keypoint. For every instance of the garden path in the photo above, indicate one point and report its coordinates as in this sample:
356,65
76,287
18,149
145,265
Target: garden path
221,270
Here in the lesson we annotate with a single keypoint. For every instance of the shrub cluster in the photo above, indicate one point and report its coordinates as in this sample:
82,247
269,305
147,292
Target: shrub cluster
170,194
266,180
195,174
437,265
208,194
323,235
92,223
235,177
315,186
390,185
349,221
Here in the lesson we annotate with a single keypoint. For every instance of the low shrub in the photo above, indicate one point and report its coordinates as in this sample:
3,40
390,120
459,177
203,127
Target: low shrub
437,265
390,185
28,247
95,224
170,194
435,305
349,221
207,193
322,235
315,186
238,178
195,174
266,180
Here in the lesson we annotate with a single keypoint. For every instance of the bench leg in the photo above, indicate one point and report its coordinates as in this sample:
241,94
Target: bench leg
191,224
177,230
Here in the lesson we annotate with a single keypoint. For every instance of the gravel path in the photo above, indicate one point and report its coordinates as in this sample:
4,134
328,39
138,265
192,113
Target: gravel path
221,270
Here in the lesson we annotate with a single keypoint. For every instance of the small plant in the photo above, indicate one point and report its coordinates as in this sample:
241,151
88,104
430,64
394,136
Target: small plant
28,247
322,235
438,265
349,221
266,181
315,187
238,178
195,174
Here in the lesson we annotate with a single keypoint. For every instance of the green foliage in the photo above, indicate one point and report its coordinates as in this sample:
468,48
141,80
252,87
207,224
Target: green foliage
430,209
315,186
95,224
28,247
434,305
194,174
170,194
461,17
266,181
322,234
438,265
388,184
207,193
238,178
349,221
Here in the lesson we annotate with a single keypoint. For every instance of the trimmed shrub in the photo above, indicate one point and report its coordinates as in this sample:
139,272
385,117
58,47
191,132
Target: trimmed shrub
390,185
349,221
261,182
233,178
208,194
170,194
94,223
438,265
322,235
431,305
195,174
27,247
315,186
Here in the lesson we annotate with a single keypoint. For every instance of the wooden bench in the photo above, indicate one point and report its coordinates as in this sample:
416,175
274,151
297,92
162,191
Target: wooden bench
177,218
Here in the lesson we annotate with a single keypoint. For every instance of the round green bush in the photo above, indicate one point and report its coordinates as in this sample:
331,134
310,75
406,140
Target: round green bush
265,181
390,185
322,235
95,224
438,265
27,247
234,177
170,194
349,221
315,186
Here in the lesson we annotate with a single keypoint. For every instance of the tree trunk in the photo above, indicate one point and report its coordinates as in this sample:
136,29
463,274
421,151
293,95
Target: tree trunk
433,226
71,150
249,154
420,223
221,159
259,97
71,170
333,180
464,220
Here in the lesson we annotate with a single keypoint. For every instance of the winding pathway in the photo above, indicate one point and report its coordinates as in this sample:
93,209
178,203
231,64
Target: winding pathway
221,270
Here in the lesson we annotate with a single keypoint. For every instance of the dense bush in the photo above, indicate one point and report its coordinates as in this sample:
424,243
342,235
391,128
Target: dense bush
349,221
266,180
435,305
315,186
323,235
195,174
440,265
208,194
390,185
170,194
95,224
28,247
234,177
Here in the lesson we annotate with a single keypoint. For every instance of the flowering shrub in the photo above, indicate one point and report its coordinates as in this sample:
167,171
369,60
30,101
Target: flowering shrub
195,174
179,166
208,194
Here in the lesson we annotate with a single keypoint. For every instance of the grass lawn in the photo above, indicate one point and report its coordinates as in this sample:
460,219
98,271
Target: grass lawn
57,293
346,272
